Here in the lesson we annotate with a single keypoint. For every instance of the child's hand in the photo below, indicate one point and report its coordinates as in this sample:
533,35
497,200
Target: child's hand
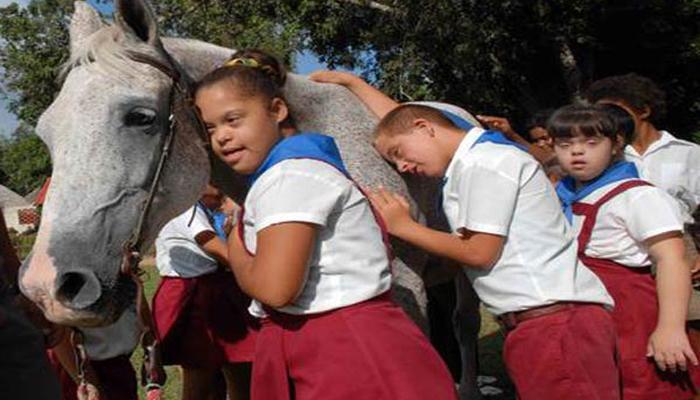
393,208
671,349
498,123
337,77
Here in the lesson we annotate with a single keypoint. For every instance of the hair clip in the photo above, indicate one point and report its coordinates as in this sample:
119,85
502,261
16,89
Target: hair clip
246,62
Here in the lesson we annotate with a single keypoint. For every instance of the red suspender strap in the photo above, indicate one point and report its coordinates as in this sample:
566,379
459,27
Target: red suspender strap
590,211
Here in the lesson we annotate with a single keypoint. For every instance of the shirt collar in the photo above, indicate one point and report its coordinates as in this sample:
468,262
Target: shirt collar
463,149
663,141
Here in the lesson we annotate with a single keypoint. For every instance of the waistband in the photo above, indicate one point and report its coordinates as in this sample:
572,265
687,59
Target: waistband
282,318
511,320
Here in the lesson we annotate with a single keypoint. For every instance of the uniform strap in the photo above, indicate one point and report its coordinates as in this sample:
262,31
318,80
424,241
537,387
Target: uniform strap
590,211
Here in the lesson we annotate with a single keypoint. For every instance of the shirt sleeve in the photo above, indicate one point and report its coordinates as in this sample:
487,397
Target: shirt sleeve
643,224
298,193
192,225
487,200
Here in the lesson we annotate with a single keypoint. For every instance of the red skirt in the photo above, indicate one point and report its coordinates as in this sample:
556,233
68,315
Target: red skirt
568,354
117,378
369,350
203,322
635,315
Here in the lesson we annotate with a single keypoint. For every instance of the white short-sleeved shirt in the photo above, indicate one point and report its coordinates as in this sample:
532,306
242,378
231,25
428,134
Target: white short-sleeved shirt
177,252
349,262
114,340
627,220
673,165
499,189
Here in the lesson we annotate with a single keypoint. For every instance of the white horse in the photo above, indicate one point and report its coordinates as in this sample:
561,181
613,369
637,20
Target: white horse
105,131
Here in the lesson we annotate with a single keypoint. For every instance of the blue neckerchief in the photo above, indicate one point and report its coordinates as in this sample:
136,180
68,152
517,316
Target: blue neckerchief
216,220
569,194
487,136
498,138
219,220
303,145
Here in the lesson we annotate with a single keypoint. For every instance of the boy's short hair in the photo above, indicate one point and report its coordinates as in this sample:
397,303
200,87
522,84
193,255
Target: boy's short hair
589,120
632,89
400,120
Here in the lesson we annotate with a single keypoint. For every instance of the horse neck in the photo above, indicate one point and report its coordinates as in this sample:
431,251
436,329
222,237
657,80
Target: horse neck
196,57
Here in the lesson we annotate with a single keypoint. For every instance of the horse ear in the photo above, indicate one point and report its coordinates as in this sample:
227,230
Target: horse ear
84,22
136,16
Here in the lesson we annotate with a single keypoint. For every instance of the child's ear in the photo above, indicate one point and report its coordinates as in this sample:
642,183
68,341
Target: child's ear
645,113
279,109
424,126
619,144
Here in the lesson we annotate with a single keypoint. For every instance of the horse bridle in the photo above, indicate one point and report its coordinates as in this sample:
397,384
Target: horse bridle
181,110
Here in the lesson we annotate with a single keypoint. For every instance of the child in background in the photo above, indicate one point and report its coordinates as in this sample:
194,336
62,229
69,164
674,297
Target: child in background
199,311
311,253
666,161
624,225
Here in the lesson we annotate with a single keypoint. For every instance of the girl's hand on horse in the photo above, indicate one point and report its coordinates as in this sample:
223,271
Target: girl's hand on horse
393,208
671,349
337,77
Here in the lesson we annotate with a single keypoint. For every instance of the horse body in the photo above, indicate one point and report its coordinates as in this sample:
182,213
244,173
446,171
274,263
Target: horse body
104,133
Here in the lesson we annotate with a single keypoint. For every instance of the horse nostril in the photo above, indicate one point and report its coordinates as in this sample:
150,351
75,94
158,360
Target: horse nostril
78,289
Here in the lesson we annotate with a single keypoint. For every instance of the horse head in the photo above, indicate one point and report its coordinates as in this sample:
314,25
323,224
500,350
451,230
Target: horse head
106,131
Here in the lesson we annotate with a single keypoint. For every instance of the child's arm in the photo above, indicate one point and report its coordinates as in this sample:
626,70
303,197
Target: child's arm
214,246
276,274
474,249
669,344
544,157
379,103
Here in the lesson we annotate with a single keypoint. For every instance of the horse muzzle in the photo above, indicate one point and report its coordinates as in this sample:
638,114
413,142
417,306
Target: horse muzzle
74,296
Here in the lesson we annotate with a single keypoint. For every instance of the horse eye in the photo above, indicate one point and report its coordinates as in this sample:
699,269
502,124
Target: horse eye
140,117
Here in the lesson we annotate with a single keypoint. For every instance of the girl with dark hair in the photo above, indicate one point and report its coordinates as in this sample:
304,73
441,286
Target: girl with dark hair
311,253
624,225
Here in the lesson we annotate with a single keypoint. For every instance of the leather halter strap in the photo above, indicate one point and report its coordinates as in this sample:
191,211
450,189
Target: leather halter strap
180,101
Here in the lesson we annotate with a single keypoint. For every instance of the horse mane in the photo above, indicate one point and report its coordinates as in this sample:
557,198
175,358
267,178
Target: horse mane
107,51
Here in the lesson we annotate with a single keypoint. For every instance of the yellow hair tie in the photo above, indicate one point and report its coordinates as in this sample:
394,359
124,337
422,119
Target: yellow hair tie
246,62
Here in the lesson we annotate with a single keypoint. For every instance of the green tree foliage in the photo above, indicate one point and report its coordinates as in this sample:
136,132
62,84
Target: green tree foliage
511,57
24,161
236,24
33,44
506,57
